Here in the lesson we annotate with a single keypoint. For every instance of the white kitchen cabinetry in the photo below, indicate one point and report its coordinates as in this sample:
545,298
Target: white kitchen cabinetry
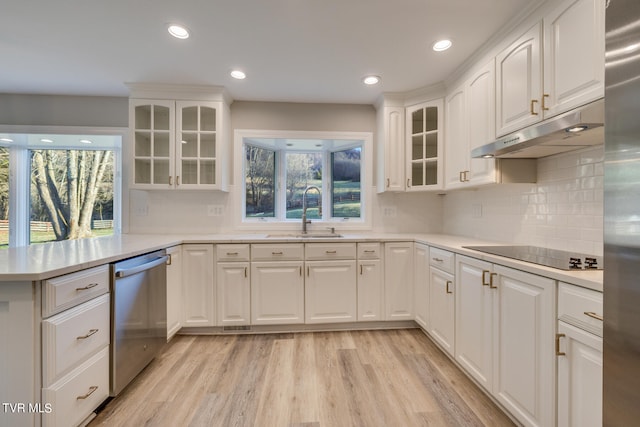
421,285
424,146
572,61
330,283
370,282
442,299
398,280
390,145
579,351
174,290
233,285
198,308
475,319
277,284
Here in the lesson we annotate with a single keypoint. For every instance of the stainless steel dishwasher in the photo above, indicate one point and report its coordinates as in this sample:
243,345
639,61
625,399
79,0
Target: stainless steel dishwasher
138,316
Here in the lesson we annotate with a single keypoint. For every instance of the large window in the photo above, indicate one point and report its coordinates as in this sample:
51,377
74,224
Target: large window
65,187
284,175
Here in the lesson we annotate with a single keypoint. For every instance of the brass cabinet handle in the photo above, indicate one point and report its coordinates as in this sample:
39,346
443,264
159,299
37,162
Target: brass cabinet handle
461,176
408,182
594,315
558,352
466,177
300,271
361,269
485,282
533,102
168,259
449,282
170,180
388,183
92,389
246,272
276,253
544,106
491,276
178,180
308,274
91,332
89,286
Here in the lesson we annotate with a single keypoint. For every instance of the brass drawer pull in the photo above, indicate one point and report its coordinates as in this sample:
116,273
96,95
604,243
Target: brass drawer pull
438,259
92,389
330,252
276,253
89,286
558,352
91,332
369,251
594,315
232,253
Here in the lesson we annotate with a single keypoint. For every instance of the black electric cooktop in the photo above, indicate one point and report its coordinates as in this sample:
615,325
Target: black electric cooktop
563,260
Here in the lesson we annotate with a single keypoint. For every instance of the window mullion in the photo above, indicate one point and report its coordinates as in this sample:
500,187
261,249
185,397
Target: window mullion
281,186
19,180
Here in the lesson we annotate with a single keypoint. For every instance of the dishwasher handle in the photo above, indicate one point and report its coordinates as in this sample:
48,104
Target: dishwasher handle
143,267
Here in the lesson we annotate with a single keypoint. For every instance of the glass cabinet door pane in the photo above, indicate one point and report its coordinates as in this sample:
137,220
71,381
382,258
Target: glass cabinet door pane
416,147
207,119
161,144
161,171
416,174
143,117
432,173
190,118
189,145
417,121
431,122
189,172
142,171
142,144
207,172
208,145
160,117
432,145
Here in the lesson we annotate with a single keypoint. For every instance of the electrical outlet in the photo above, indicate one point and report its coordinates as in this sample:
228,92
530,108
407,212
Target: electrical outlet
141,210
215,210
389,212
476,210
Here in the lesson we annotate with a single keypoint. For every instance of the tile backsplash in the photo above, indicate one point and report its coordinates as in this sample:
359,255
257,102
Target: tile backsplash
563,210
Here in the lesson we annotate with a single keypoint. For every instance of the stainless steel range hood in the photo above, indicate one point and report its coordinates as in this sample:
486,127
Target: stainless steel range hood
579,128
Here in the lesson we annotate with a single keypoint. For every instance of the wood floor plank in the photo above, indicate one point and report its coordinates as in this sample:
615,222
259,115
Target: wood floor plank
322,379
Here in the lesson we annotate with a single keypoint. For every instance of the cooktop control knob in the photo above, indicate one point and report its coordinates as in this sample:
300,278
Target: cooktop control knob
591,262
575,263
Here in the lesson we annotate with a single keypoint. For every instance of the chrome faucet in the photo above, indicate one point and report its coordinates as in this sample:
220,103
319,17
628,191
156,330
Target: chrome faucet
306,221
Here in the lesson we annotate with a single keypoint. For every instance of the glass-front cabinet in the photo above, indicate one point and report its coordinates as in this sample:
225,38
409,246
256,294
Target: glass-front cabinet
177,144
424,146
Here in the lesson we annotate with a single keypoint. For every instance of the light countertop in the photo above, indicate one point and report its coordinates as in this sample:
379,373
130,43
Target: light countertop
43,261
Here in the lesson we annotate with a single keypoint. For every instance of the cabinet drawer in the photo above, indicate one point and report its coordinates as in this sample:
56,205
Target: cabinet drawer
75,396
574,302
444,260
70,337
63,292
369,251
328,251
277,252
233,252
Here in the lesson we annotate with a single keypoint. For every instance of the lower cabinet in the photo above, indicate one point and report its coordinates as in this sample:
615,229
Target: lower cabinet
442,308
198,307
174,290
277,293
330,291
370,282
233,293
398,280
421,285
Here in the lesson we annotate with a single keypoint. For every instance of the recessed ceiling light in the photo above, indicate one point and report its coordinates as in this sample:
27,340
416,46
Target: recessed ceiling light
178,31
6,139
442,45
46,140
371,80
86,141
237,74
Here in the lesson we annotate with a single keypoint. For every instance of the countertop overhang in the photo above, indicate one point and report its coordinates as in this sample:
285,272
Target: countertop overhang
43,261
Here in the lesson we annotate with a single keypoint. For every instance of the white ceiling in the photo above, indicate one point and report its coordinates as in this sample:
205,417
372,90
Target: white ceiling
291,50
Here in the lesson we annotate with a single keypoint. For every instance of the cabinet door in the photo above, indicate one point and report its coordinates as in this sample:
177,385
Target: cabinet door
153,135
277,293
330,292
519,83
391,148
370,290
398,281
475,319
481,116
198,307
573,55
442,309
233,293
198,148
424,147
524,353
457,154
174,290
579,378
421,285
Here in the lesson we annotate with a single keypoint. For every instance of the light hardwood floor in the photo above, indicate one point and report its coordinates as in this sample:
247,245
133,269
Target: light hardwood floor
321,379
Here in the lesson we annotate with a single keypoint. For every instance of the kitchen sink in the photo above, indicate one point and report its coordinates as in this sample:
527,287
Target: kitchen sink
303,236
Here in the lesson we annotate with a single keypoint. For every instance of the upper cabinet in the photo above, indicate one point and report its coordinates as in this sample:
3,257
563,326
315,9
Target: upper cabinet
424,146
390,142
535,81
179,144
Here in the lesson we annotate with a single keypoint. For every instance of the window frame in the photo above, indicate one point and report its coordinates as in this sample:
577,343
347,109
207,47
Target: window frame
20,173
279,222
